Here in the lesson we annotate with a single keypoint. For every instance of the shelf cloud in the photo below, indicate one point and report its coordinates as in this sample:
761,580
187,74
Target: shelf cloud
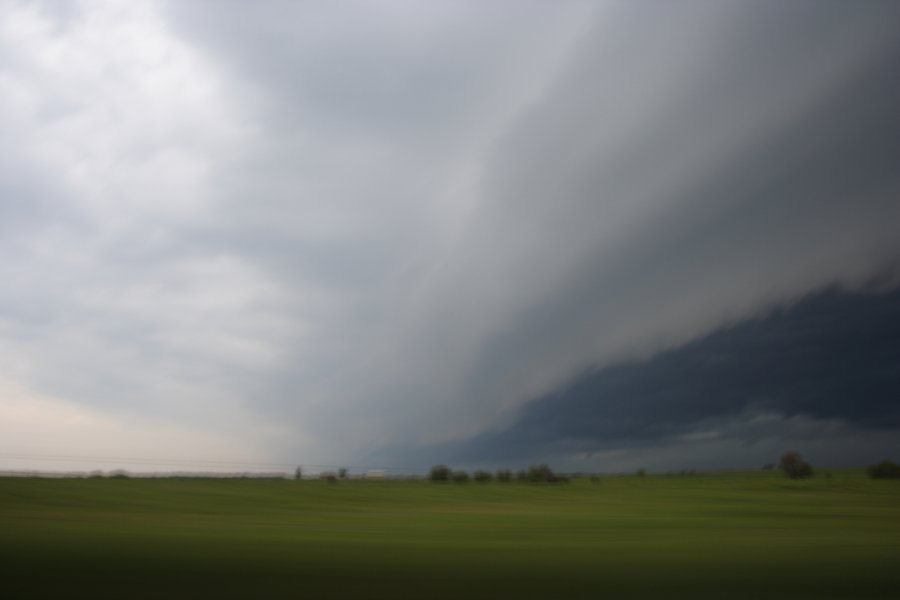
376,233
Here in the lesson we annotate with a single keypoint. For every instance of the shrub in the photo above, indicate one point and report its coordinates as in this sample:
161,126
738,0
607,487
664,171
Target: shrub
439,473
543,474
794,466
886,469
539,473
460,476
482,476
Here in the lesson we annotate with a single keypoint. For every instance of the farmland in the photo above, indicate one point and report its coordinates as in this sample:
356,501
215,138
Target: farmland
735,535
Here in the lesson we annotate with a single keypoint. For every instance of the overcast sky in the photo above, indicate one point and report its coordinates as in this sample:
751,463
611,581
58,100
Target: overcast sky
388,234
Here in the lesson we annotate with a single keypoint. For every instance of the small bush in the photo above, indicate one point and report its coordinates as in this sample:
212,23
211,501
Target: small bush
543,474
886,469
439,473
539,473
460,476
482,476
794,466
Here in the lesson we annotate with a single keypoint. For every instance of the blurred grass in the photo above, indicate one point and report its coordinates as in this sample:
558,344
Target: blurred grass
734,535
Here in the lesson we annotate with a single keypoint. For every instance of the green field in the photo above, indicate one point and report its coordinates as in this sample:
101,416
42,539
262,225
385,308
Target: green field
741,535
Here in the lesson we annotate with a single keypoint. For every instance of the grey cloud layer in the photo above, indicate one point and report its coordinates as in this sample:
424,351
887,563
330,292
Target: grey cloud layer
418,217
825,369
679,175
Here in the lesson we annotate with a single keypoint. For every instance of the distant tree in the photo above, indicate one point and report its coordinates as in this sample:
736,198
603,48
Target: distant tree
539,473
342,473
460,476
886,469
482,476
794,466
504,475
298,473
543,474
640,472
439,473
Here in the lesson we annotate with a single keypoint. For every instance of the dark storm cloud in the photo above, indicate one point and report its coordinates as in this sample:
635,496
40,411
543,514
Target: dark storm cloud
355,225
691,167
833,356
684,166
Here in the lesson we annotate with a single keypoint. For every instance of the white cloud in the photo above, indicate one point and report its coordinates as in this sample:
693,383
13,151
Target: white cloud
126,114
112,303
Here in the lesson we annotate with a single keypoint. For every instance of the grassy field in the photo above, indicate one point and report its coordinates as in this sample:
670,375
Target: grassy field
741,535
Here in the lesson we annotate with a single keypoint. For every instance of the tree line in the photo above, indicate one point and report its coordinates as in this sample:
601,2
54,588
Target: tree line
533,474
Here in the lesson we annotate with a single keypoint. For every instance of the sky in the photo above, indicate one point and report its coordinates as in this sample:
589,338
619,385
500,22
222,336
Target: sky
606,235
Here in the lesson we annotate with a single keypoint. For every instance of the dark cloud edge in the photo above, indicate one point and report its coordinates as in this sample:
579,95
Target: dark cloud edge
832,357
